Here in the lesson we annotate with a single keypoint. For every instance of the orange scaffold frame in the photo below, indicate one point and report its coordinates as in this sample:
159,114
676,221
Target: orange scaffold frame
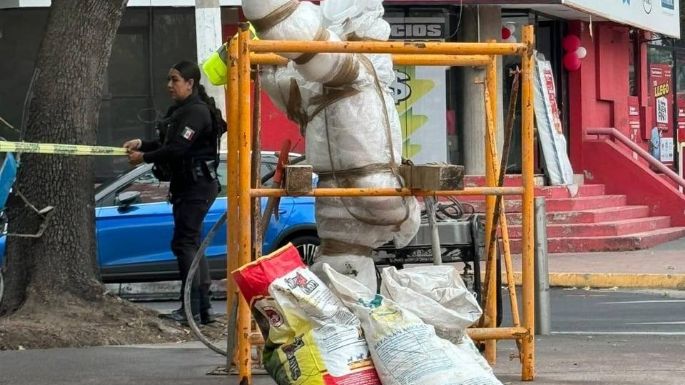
245,52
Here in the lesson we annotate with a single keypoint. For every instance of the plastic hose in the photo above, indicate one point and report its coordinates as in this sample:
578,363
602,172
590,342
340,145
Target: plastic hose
188,285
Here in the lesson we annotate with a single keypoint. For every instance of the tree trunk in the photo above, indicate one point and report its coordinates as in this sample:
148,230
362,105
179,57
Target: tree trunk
72,64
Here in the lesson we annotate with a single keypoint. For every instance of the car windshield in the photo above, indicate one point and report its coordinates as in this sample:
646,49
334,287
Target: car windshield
103,185
268,165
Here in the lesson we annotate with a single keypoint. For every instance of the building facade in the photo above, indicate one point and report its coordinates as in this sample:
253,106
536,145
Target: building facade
630,78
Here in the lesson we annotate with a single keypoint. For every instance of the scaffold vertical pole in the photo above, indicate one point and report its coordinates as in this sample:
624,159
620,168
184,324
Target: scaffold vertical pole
491,165
233,247
244,212
528,176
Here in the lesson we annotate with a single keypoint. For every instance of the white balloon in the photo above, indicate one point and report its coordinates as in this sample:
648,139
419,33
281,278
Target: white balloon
511,27
581,52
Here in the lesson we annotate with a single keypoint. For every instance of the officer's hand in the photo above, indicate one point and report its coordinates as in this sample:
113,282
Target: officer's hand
135,157
133,144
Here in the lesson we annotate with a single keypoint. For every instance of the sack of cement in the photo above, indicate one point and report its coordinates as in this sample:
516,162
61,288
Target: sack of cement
311,337
405,350
438,296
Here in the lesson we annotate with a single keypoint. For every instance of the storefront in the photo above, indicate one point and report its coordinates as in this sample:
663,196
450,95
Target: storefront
632,77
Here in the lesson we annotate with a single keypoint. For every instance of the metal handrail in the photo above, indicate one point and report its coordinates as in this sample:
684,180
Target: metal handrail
640,151
682,167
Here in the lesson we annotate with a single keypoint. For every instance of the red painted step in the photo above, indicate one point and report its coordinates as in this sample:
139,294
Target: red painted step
584,220
602,229
556,192
635,241
589,216
562,204
509,180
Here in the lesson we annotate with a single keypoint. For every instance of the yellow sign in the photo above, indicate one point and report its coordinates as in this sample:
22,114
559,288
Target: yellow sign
60,149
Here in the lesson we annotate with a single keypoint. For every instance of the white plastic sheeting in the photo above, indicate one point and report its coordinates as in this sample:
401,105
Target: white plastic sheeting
359,130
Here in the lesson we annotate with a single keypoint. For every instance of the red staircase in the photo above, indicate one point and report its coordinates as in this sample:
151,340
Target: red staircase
589,221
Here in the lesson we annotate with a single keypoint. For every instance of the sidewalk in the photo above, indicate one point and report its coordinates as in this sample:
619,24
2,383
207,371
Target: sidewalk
605,360
661,267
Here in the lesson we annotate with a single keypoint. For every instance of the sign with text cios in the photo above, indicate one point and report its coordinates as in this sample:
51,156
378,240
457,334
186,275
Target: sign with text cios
662,16
417,28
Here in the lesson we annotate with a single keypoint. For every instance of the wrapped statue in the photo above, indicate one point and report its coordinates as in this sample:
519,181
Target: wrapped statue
344,106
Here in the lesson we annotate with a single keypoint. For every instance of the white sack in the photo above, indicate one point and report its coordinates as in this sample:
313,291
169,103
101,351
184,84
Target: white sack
406,351
358,267
436,294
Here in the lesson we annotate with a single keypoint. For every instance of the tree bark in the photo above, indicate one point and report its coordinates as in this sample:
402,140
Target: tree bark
72,63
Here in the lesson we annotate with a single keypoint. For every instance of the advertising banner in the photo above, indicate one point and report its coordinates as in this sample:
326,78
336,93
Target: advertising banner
661,82
660,16
420,92
549,127
420,98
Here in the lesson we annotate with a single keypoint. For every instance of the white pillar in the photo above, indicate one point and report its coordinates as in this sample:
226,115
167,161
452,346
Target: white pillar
479,24
209,39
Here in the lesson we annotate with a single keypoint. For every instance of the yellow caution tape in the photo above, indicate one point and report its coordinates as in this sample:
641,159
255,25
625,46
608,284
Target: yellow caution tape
60,149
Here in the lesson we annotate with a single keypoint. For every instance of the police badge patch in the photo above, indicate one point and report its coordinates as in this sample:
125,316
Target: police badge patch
188,133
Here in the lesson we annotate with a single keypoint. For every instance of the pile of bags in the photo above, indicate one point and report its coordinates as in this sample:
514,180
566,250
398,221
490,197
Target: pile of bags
411,334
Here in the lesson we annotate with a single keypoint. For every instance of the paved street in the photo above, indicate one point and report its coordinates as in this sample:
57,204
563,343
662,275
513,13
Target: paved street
585,312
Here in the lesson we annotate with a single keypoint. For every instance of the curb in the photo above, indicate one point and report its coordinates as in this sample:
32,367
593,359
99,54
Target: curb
611,280
170,290
160,291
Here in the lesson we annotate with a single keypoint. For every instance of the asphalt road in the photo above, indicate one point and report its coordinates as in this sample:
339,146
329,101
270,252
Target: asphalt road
587,312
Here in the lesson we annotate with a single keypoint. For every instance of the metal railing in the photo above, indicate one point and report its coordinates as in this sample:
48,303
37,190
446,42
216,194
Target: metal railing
618,135
681,166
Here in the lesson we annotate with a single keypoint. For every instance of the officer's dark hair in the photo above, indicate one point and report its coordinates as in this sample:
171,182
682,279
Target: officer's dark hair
190,70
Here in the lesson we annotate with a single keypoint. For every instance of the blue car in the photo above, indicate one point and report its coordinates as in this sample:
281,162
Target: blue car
134,225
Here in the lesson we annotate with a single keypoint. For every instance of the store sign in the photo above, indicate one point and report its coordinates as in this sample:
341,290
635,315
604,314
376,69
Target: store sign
660,16
660,77
666,153
417,28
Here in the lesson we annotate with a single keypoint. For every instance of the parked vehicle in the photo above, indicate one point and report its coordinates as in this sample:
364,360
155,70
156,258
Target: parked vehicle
134,225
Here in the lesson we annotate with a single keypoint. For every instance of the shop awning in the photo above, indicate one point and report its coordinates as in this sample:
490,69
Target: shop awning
661,16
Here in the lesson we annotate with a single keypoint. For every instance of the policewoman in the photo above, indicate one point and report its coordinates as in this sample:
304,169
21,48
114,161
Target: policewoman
186,154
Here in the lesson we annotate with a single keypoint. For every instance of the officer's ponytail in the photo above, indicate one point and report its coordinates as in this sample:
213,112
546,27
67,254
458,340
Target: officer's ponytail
220,124
190,70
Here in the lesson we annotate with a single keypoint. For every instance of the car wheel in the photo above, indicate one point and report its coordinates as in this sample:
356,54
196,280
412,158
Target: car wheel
306,245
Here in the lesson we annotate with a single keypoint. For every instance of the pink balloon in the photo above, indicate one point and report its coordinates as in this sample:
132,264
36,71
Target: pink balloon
506,33
570,43
571,62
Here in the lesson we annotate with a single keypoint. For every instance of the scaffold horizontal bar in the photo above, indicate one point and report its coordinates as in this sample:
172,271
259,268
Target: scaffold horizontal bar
511,333
394,47
478,334
386,192
406,59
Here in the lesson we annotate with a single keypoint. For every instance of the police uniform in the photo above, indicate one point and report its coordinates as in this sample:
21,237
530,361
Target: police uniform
186,154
